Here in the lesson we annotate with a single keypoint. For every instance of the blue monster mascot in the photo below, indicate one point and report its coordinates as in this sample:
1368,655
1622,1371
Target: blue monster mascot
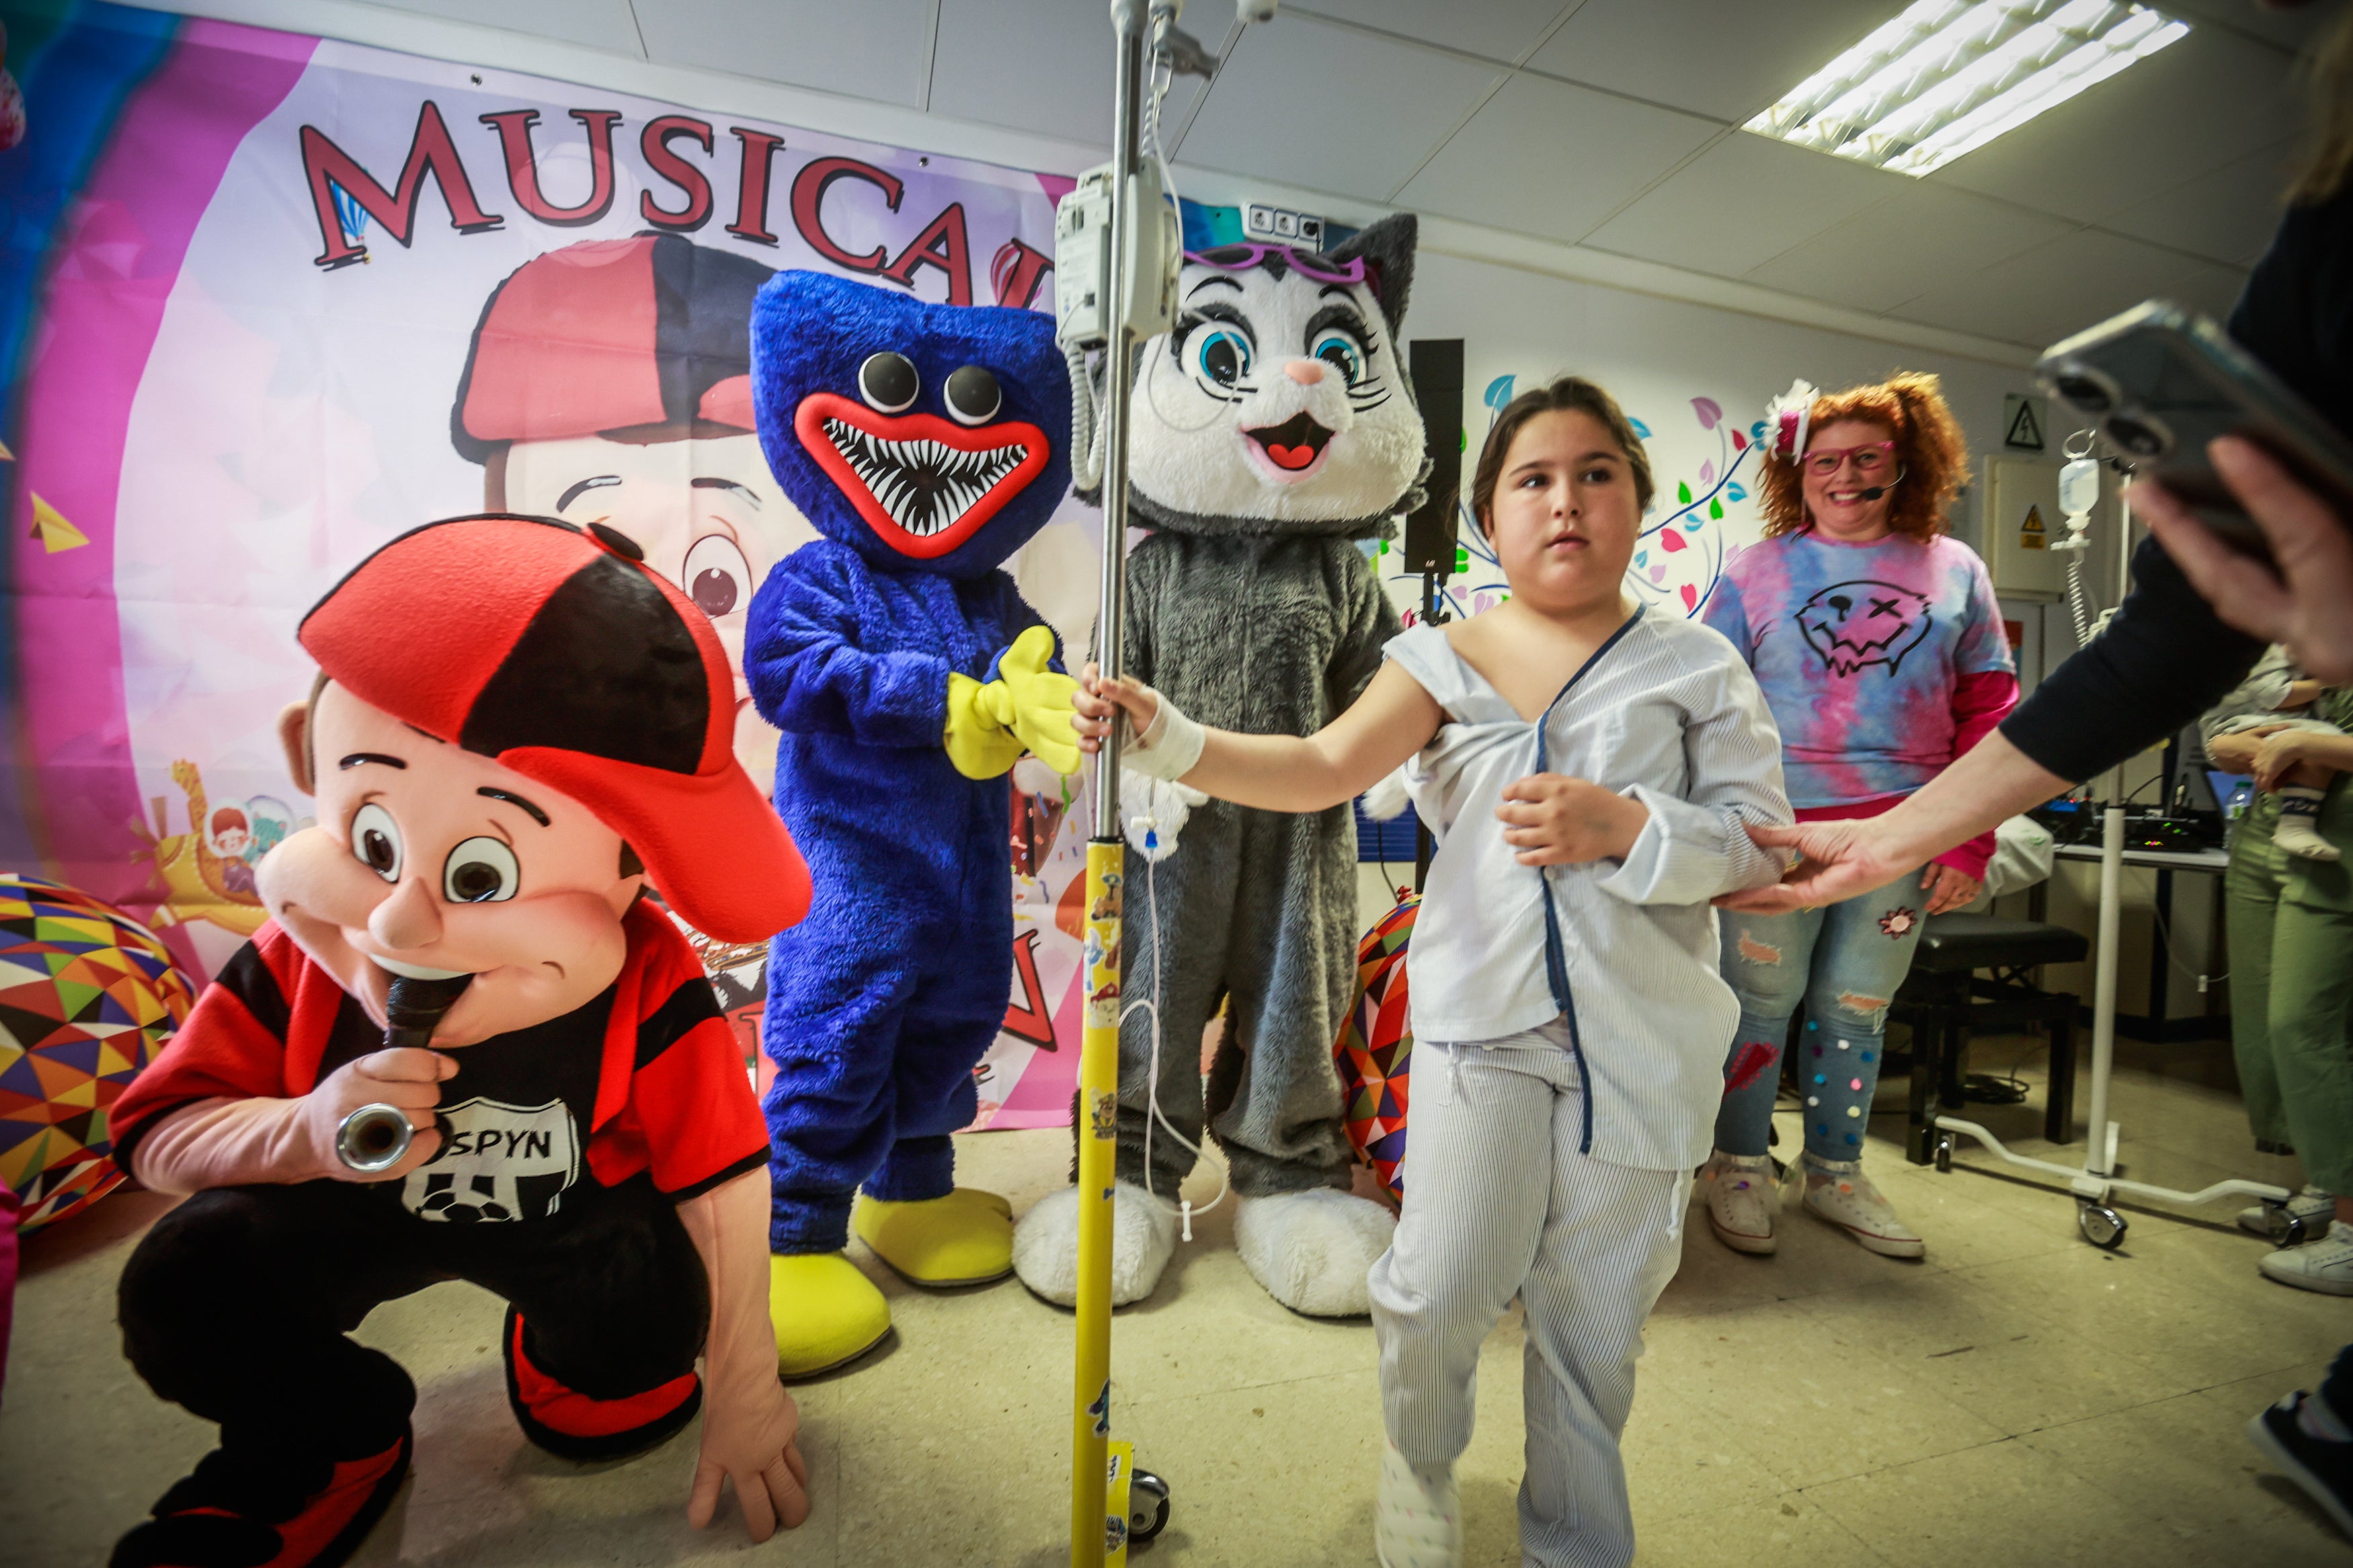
926,442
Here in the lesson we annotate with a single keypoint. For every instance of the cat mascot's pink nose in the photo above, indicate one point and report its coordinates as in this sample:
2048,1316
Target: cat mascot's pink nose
1305,372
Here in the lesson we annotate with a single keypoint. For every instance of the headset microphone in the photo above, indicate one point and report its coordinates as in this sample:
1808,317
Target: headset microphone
1873,493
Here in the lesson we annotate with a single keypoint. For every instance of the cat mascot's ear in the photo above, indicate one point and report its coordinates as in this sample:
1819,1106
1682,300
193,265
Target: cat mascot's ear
1387,249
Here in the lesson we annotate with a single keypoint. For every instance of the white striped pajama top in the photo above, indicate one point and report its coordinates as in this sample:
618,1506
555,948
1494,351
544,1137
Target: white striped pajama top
1667,712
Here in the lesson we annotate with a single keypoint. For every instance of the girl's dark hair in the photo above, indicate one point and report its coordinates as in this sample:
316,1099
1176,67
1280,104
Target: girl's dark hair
1569,394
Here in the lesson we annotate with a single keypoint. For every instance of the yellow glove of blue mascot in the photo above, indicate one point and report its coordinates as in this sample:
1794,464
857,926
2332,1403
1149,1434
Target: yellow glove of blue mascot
926,442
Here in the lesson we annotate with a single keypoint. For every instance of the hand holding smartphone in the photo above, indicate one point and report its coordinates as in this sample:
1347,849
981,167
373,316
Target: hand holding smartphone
2162,382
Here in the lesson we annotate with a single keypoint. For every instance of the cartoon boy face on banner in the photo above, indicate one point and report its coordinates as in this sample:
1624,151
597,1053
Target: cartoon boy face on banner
609,381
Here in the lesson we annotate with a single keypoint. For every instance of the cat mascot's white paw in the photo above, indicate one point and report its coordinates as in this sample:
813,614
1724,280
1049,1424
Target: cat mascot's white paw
1142,1239
1312,1250
1388,798
1156,811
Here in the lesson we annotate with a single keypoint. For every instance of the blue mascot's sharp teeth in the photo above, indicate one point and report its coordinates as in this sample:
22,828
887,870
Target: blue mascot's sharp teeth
925,487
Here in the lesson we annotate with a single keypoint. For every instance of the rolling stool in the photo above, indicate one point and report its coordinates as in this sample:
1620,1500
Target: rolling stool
1945,1002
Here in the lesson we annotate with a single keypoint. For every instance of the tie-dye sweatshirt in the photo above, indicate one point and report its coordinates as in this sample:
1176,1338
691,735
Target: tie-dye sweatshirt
1881,663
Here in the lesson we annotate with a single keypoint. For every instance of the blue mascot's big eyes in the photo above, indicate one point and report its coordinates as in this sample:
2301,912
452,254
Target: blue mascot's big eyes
1341,351
973,396
1223,355
888,383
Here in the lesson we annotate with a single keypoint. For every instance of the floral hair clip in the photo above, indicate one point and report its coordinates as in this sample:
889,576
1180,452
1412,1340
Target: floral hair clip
1786,419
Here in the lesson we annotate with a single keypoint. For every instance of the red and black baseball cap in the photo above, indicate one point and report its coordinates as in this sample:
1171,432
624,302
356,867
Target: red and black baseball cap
624,338
557,652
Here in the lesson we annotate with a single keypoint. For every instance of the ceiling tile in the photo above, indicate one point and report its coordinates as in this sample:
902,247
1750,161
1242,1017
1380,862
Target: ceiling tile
2290,29
1742,202
1280,108
2061,287
875,49
2228,214
1919,240
1727,58
1549,158
2206,101
599,23
1495,29
2207,287
1034,65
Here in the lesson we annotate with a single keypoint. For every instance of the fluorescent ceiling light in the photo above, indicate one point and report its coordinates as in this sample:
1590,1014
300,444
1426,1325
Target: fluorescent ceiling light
1948,76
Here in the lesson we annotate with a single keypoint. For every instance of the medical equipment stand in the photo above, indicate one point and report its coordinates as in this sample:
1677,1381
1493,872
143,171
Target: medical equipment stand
2095,1182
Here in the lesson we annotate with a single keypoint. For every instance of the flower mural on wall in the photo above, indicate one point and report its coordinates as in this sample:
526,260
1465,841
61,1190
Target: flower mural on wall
1681,552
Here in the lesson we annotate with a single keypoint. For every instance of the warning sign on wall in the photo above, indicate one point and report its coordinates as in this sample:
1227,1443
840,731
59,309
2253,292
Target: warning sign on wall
2030,532
2023,419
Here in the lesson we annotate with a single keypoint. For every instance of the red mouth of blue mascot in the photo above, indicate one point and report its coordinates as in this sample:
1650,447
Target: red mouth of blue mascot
923,484
1292,445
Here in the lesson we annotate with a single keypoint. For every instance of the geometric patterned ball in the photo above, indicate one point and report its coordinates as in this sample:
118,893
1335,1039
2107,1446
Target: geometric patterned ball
1374,1053
88,996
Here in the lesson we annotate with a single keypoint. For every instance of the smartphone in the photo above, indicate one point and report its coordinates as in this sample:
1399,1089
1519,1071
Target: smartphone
2161,380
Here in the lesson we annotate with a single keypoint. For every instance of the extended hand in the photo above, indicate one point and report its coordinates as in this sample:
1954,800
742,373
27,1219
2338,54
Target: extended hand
1949,889
1553,820
2235,753
1838,860
750,1436
407,1077
2303,604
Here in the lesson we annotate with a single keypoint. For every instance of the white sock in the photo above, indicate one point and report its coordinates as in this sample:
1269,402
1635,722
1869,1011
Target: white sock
2299,815
2319,1421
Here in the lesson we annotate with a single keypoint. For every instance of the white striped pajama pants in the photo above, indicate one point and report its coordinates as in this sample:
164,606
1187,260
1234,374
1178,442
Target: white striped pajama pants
1498,1203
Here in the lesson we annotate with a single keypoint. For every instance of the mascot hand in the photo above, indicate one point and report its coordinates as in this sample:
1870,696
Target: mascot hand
1156,811
1036,701
978,741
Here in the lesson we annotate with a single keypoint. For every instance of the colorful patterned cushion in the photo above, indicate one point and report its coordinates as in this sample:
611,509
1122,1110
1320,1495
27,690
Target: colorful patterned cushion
1374,1050
88,996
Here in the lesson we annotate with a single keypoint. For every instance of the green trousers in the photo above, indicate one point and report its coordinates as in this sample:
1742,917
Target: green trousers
2310,1012
2311,1005
2251,901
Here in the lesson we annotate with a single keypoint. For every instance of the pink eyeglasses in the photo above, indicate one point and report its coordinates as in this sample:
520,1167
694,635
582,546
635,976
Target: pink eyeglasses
1872,459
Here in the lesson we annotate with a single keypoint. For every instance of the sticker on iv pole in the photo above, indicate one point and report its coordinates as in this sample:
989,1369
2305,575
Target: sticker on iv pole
2031,534
1117,1496
1104,1123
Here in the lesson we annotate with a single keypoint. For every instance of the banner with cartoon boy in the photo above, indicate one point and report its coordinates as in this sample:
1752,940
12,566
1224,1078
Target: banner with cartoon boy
268,301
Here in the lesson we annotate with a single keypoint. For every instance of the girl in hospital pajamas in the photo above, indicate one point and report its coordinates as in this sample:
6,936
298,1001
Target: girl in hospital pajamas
1588,769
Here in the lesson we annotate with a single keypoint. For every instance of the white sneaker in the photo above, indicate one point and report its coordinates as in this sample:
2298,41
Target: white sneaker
2312,1205
1419,1522
1839,1194
2326,1266
1742,1200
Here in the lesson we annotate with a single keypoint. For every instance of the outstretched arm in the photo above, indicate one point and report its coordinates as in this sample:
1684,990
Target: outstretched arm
1393,720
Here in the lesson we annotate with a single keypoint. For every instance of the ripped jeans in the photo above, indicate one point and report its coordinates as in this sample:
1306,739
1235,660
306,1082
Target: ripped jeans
1844,963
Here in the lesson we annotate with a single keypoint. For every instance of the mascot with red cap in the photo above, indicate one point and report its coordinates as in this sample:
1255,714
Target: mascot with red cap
465,1047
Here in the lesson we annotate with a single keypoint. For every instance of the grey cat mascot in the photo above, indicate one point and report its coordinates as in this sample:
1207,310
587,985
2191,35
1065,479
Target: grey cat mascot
1272,429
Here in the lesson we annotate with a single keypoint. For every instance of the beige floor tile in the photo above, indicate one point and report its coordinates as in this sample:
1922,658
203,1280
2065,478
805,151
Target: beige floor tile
2016,1371
2001,1503
1769,1375
1784,1532
2188,1304
2185,1465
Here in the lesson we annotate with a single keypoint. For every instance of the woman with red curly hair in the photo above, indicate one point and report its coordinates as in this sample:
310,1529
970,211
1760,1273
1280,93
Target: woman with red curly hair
1880,648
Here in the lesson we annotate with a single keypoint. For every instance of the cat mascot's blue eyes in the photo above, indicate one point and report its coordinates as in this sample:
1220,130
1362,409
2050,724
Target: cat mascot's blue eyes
1341,351
1222,354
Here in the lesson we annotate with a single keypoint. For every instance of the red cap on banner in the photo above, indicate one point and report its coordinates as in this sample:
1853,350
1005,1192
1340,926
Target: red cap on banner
610,335
557,652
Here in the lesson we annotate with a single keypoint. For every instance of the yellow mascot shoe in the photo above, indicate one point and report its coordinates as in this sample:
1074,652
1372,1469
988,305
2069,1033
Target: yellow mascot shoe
963,1238
826,1313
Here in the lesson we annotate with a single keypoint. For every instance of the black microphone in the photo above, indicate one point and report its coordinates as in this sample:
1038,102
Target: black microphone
376,1137
1875,491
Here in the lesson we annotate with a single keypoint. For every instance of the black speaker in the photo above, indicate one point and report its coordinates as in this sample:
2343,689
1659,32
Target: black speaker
1437,385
